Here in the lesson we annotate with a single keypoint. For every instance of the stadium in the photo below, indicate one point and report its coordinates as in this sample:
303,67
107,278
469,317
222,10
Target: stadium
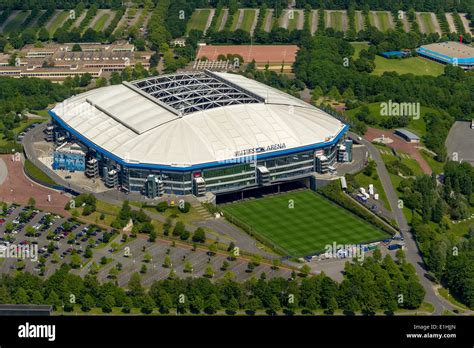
449,52
194,133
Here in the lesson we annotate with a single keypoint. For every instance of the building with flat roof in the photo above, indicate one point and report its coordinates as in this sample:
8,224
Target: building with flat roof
58,61
449,52
407,135
25,310
198,132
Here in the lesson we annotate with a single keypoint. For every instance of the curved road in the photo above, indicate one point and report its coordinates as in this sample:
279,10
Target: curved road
412,253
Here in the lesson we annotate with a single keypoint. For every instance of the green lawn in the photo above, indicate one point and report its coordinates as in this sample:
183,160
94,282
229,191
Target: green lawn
293,21
336,21
417,126
429,25
372,18
15,23
384,20
218,21
248,19
412,65
365,181
267,13
198,20
305,229
57,22
359,46
235,21
37,173
99,25
435,166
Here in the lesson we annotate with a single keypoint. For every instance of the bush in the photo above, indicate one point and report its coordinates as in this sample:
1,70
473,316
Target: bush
162,206
199,235
185,207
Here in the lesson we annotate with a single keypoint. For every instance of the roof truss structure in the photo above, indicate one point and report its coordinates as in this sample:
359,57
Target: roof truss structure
186,93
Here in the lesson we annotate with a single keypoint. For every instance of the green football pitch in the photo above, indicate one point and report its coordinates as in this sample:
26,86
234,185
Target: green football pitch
302,223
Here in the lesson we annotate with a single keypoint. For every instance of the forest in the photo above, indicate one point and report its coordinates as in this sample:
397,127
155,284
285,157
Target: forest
450,92
376,285
449,257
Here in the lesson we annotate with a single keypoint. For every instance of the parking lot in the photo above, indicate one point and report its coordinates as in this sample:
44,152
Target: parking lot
460,142
61,240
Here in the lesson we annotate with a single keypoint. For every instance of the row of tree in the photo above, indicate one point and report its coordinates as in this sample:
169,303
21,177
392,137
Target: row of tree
376,285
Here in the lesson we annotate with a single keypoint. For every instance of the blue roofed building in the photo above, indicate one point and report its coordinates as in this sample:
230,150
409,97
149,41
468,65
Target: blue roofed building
449,52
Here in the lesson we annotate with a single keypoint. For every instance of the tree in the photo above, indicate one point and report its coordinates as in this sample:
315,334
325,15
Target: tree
165,302
127,305
152,238
147,305
311,304
188,267
43,34
305,270
76,48
199,235
273,305
253,305
53,299
167,262
143,269
331,306
31,202
197,304
108,303
212,304
209,272
87,303
135,286
276,263
179,229
232,306
212,249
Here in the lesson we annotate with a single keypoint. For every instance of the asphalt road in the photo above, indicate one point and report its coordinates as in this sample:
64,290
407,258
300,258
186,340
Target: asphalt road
412,253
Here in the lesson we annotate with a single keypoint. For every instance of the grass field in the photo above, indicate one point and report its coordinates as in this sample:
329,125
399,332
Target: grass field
336,20
384,20
99,25
37,173
413,65
306,228
365,181
417,126
198,20
235,21
218,20
428,23
293,18
15,23
57,22
265,18
248,19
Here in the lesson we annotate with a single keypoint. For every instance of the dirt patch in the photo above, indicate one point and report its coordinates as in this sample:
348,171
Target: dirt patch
314,21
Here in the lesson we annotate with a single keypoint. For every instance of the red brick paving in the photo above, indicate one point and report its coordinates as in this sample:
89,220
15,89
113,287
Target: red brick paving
17,188
400,145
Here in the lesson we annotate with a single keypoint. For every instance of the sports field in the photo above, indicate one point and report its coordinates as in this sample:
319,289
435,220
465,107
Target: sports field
305,229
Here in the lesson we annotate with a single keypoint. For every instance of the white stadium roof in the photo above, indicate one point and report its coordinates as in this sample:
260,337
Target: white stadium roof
188,119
